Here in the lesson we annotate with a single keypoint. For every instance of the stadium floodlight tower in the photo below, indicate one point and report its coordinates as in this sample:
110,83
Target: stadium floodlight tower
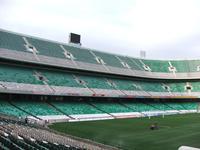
142,54
75,39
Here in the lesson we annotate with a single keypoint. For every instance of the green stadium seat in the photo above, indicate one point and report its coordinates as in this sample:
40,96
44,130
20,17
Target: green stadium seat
12,41
190,105
18,75
6,108
195,86
109,59
192,65
131,62
177,87
81,54
160,106
175,106
151,86
60,79
139,107
157,65
180,65
124,84
95,82
47,48
71,108
110,107
37,108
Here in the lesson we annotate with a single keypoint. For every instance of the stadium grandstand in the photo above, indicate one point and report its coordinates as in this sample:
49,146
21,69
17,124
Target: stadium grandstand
43,82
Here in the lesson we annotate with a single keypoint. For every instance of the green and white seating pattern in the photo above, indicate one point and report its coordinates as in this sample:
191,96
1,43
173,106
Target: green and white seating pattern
76,108
95,82
110,107
37,108
157,65
139,107
47,48
189,105
175,106
7,108
18,75
109,59
13,41
59,78
80,54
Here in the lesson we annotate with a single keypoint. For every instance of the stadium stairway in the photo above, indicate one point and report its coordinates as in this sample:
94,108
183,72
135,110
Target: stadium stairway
27,112
190,105
58,109
103,111
172,108
132,109
115,109
154,105
8,109
41,112
17,135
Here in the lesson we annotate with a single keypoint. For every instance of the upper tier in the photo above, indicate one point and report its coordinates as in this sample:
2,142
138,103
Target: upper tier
30,49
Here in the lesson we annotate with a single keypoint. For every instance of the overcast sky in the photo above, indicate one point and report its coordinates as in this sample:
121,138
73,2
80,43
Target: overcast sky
165,29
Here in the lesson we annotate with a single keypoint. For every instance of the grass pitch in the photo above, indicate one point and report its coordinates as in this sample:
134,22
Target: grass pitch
134,134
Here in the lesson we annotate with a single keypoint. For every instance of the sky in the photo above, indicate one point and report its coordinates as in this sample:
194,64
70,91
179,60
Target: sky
165,29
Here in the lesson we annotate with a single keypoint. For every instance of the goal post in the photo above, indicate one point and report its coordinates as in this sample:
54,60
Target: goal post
198,108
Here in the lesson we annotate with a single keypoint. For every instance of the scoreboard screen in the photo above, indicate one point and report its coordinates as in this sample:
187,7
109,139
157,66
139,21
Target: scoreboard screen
75,38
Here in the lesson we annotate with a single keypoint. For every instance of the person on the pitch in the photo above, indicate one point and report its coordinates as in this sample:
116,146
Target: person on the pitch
154,126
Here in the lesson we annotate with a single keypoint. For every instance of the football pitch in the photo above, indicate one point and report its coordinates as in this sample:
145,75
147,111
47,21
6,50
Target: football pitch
134,134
